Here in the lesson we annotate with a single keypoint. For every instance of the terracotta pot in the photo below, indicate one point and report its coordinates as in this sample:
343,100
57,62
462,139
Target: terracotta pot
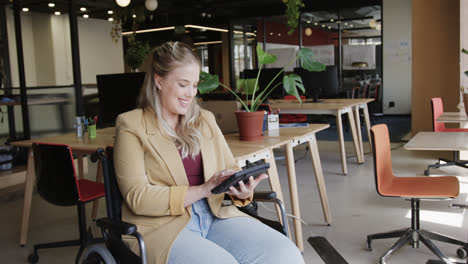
465,101
250,125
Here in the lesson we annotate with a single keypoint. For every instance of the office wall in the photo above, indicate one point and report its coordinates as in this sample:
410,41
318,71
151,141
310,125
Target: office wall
464,44
396,56
436,57
43,49
47,57
99,53
28,51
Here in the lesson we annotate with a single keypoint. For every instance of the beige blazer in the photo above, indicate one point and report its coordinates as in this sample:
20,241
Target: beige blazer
153,182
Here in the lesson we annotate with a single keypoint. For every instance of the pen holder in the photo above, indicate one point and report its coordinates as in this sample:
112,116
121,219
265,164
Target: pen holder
91,131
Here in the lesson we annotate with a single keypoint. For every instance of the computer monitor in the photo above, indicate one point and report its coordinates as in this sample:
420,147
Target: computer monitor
118,93
323,84
266,75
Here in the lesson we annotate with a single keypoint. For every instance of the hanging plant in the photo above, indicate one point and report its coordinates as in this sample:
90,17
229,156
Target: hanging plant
293,12
135,14
136,52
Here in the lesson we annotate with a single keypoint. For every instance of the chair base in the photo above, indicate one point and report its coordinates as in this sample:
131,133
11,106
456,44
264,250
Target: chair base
413,236
455,162
34,257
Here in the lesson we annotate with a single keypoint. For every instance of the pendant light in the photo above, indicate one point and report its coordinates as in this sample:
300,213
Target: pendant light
151,5
123,3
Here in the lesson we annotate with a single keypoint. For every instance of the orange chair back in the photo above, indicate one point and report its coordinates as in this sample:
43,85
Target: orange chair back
382,158
437,110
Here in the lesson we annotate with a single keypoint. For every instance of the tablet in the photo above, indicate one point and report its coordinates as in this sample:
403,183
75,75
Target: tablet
242,175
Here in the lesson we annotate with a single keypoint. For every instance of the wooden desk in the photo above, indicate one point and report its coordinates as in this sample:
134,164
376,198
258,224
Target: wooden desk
439,141
335,107
289,138
453,117
105,137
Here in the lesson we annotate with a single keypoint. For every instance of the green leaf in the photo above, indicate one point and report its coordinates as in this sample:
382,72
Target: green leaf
263,57
466,73
465,51
248,86
208,82
291,82
306,55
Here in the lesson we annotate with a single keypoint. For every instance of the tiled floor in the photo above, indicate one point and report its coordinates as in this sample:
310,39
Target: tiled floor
356,208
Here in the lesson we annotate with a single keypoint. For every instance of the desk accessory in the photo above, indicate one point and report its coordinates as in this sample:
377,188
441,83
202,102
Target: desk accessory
79,125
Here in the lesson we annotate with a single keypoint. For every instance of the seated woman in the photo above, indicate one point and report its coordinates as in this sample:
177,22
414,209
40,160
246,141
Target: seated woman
168,156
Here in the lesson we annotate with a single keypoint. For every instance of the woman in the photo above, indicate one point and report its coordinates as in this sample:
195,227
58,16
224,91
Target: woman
168,155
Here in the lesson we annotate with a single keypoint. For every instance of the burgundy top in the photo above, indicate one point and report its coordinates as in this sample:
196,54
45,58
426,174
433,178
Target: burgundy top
193,169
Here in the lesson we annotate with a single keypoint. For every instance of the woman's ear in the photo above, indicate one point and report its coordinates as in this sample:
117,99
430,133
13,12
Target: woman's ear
157,81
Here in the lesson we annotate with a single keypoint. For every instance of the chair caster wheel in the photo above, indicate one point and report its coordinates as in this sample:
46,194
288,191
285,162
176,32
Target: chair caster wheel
461,253
33,258
426,172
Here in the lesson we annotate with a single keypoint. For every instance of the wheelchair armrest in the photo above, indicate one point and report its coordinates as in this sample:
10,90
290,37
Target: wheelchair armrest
264,196
119,227
124,228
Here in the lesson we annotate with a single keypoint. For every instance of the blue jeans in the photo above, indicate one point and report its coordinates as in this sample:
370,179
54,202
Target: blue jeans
207,239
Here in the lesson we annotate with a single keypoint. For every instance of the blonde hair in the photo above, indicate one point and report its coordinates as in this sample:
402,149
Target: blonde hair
166,58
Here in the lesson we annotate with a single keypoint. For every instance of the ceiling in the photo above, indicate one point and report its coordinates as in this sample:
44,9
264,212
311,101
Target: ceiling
202,12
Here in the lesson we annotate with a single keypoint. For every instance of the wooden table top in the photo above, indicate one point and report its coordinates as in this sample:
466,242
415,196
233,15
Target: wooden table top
84,143
105,137
278,137
453,117
447,141
328,104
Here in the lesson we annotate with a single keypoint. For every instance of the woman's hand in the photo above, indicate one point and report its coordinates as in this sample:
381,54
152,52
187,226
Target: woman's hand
195,193
246,190
215,180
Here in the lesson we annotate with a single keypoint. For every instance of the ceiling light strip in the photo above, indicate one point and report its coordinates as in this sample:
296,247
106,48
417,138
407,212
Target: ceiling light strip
187,26
207,28
208,42
147,30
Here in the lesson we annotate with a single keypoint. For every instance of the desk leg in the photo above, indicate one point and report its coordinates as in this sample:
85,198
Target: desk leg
314,154
367,119
357,120
294,196
352,125
339,126
98,179
28,192
273,178
82,166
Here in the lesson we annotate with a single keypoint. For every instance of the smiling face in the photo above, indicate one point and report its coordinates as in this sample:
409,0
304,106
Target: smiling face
177,90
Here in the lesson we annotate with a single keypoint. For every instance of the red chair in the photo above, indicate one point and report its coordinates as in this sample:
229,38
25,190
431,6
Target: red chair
437,110
292,118
414,189
57,183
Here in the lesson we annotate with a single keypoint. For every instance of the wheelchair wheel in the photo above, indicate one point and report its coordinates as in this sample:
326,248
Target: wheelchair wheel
97,254
461,253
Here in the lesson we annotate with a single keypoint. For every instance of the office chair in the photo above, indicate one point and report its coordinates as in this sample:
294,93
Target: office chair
113,227
58,184
437,110
413,189
293,118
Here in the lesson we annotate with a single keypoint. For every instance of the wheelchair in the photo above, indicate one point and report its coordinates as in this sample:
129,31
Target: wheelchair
112,227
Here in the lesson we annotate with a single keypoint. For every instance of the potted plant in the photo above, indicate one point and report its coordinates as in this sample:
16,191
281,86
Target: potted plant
250,121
